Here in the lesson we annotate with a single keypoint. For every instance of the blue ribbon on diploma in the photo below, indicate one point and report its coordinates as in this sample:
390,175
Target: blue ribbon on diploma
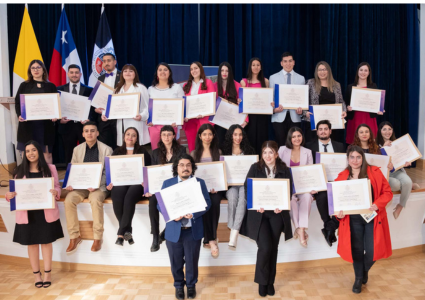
108,170
162,206
312,123
23,108
317,158
94,91
276,96
217,104
241,97
330,199
249,193
12,189
381,107
145,180
150,108
108,106
293,185
65,180
184,110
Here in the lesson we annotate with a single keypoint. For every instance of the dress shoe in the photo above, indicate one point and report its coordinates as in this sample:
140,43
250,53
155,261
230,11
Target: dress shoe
129,238
97,245
333,237
191,293
365,277
270,290
73,244
162,237
327,234
119,241
180,293
357,287
262,290
155,243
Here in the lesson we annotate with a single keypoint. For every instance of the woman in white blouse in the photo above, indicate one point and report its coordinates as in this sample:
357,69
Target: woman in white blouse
130,83
163,86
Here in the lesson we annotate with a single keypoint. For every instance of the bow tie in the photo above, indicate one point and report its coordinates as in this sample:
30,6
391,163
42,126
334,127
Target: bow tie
109,74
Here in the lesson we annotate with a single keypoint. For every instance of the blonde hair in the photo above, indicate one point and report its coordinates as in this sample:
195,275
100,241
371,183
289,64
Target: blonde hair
331,81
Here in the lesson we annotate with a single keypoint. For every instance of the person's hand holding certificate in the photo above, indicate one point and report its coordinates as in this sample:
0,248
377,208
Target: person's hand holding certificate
227,114
122,106
237,166
83,176
124,169
268,194
74,107
32,194
154,177
166,111
256,101
200,105
367,100
40,106
291,96
309,178
334,163
403,150
99,95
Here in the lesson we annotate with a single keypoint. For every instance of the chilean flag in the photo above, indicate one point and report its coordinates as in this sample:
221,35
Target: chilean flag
64,53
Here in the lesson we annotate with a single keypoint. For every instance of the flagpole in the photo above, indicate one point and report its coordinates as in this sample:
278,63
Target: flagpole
63,5
103,8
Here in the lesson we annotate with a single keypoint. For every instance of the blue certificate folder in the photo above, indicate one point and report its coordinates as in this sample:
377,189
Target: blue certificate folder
13,200
249,193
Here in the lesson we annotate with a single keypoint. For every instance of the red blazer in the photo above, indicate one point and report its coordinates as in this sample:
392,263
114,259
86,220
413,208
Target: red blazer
210,88
381,231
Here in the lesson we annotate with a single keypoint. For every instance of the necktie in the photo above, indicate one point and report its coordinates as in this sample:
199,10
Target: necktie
74,89
184,222
288,81
326,146
109,74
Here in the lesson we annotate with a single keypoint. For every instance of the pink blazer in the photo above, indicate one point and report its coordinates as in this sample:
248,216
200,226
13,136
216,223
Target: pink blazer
237,85
51,215
210,88
306,158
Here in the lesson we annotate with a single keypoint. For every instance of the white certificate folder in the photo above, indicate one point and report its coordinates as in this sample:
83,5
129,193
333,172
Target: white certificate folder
268,194
25,188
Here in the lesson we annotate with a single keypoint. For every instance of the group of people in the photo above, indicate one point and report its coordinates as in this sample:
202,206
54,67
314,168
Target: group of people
98,137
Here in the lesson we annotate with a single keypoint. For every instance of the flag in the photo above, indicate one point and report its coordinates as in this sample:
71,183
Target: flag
64,53
102,45
27,51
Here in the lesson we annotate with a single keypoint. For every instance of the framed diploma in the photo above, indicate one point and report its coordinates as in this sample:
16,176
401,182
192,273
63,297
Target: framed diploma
268,194
334,163
402,150
291,96
75,107
32,194
166,111
122,106
380,161
83,176
202,104
124,169
256,101
214,175
237,167
227,114
40,106
309,178
351,196
154,177
99,95
330,112
368,100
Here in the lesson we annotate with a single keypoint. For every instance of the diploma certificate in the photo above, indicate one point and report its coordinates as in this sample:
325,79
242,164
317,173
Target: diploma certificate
330,112
227,114
256,101
214,175
291,96
351,196
40,106
122,106
202,104
334,163
309,178
166,111
380,161
268,194
99,95
402,150
237,167
124,169
83,176
368,100
154,177
32,194
75,107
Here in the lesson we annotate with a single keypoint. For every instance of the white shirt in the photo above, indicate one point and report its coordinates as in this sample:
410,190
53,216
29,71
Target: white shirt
189,224
175,91
71,87
110,80
329,148
195,87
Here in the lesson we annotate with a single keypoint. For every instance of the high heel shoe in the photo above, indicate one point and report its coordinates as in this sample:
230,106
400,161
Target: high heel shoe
38,284
215,254
46,284
129,238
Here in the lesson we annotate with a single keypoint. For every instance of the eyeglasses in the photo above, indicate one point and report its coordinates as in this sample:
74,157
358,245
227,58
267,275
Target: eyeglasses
322,70
36,68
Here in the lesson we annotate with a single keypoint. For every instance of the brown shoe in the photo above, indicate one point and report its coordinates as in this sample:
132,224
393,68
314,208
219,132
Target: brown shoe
97,245
73,244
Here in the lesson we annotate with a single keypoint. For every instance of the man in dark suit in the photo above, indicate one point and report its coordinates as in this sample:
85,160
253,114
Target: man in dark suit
325,144
108,129
72,131
183,235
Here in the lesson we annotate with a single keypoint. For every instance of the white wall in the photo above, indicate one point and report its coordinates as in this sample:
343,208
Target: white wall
421,138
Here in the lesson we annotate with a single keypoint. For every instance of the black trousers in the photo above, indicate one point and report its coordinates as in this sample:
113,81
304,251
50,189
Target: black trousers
361,244
268,242
108,132
124,199
329,223
210,218
70,139
154,215
281,129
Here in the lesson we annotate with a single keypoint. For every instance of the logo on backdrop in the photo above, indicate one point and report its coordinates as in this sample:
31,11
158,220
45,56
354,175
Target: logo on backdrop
96,65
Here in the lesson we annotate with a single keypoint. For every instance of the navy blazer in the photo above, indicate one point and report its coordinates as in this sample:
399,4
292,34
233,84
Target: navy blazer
173,228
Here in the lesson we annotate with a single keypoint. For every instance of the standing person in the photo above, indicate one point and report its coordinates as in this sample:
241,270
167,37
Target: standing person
363,243
71,131
91,150
130,83
108,129
266,226
325,144
293,155
258,128
184,234
196,84
236,143
163,86
207,151
37,228
285,119
41,131
125,198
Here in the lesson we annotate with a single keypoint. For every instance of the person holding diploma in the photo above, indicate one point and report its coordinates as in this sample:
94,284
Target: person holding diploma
41,131
125,198
37,228
363,243
184,234
207,151
91,150
163,86
266,226
196,84
236,143
294,154
130,83
364,138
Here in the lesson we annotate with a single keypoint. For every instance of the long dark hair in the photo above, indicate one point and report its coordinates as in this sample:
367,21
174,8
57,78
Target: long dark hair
291,131
122,150
188,85
24,168
121,83
228,141
45,74
162,150
369,78
379,138
176,163
363,169
260,75
231,94
155,75
279,163
373,146
199,147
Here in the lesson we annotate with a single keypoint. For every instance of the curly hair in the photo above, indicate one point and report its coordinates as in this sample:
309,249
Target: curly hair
228,141
184,156
373,146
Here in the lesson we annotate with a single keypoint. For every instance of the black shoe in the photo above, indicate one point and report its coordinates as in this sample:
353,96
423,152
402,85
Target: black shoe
365,277
327,235
129,238
262,290
357,287
162,237
155,243
180,293
38,284
46,284
119,241
270,290
191,293
333,237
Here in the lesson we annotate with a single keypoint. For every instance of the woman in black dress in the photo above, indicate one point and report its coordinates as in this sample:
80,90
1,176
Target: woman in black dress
37,227
41,131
